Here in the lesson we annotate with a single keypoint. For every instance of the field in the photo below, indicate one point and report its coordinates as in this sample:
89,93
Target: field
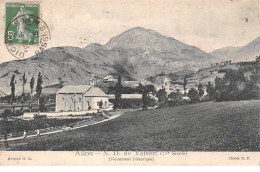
209,126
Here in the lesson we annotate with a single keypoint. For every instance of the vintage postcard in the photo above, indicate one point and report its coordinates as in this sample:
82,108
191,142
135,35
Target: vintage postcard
129,82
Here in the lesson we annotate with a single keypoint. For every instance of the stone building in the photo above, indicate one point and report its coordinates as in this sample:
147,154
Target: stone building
80,98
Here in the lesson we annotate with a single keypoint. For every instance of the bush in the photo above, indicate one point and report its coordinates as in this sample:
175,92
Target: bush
193,95
6,113
37,116
19,125
205,98
17,113
176,98
42,107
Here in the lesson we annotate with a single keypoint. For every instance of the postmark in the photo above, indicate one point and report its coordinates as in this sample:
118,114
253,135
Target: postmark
26,33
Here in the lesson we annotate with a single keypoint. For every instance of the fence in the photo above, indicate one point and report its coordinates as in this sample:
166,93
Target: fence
20,135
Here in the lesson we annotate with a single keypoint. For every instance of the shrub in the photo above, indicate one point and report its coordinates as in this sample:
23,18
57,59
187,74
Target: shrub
17,113
211,91
193,95
205,98
162,98
6,113
176,98
42,107
201,90
37,116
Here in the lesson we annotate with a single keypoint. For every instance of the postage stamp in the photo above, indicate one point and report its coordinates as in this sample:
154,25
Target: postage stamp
22,29
25,32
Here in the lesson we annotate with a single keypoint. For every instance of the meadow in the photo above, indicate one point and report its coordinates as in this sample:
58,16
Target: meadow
208,126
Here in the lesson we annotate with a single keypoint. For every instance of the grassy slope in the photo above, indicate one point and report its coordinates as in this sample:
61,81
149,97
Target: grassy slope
209,126
205,75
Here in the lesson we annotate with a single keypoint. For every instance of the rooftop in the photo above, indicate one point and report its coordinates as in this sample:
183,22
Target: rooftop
95,92
87,90
77,89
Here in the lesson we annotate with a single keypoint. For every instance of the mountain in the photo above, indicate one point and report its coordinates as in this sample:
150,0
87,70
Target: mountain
224,53
145,53
59,66
236,54
135,54
247,52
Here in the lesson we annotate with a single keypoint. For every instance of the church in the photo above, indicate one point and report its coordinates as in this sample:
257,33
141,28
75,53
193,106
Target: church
80,98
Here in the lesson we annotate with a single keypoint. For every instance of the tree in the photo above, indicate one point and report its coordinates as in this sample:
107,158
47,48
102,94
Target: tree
12,84
144,91
42,107
175,96
219,87
219,84
39,87
193,95
201,90
211,91
162,97
185,82
150,89
6,113
24,82
118,90
32,85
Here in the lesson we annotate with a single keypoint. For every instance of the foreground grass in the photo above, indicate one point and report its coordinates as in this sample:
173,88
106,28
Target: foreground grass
209,126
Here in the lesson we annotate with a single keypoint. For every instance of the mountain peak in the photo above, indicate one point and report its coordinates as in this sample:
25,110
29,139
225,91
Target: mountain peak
143,39
137,28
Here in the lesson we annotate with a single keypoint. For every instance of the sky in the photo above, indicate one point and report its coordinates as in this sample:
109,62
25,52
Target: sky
206,24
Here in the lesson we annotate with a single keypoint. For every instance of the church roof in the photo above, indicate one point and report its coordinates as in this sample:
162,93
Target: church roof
77,89
166,80
95,92
87,90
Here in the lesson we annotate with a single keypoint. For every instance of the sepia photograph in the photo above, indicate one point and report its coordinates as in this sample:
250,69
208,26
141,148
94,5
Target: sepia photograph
127,81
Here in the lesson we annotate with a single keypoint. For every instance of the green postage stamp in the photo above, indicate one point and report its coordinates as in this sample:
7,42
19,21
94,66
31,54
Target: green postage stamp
26,34
22,24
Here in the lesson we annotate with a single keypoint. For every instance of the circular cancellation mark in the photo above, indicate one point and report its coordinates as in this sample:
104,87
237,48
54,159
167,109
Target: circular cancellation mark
26,36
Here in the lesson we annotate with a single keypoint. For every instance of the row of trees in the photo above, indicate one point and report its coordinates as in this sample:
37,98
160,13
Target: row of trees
176,98
241,84
13,98
24,80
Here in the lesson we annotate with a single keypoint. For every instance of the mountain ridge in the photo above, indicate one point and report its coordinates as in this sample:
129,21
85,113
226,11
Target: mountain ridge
248,52
137,54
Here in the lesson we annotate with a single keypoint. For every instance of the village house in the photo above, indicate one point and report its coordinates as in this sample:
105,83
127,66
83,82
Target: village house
80,98
131,83
109,78
167,85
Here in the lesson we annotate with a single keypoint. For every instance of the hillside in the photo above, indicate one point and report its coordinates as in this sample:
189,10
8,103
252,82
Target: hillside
147,53
196,127
204,75
224,53
247,52
60,65
135,54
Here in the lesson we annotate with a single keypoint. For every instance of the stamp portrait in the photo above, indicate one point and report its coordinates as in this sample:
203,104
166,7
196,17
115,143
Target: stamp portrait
25,32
